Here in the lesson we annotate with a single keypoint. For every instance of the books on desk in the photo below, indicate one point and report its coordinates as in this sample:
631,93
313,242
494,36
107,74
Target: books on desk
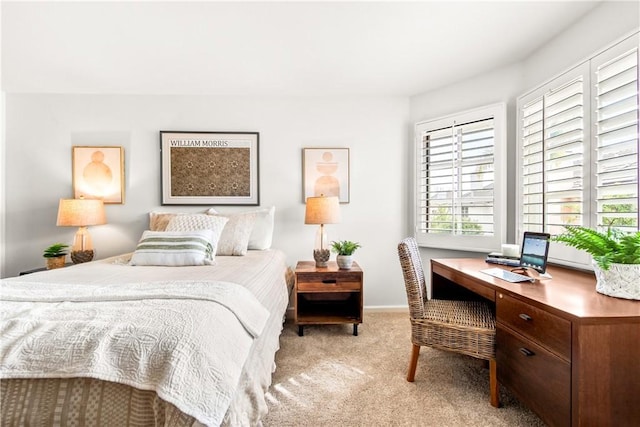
498,258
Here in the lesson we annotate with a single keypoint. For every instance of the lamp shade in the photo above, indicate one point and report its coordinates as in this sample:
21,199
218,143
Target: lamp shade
81,212
322,210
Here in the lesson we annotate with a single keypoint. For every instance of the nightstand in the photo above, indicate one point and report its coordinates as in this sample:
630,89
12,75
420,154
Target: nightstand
327,295
35,270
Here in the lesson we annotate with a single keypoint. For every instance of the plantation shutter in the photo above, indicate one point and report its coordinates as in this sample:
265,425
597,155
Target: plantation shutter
578,150
532,166
616,108
456,182
553,158
564,152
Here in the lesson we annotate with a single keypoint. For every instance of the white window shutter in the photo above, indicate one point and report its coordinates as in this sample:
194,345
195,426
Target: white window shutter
564,156
578,150
460,198
616,109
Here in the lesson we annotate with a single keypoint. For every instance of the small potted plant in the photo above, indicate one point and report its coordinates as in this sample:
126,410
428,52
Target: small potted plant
345,250
616,258
55,255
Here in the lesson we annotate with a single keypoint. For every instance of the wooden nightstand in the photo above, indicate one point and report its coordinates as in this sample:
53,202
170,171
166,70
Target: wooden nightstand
327,295
35,270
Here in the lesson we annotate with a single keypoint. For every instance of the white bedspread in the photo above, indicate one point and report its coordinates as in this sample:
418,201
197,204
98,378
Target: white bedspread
187,341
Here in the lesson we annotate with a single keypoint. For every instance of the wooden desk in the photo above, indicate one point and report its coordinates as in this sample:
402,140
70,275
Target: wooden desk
569,353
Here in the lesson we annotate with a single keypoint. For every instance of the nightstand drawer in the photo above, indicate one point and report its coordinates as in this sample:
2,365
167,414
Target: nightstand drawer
540,326
329,285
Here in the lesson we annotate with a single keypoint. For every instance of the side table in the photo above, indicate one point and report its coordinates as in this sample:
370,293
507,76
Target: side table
35,270
327,295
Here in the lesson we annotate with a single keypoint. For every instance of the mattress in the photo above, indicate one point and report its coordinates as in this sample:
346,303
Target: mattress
85,400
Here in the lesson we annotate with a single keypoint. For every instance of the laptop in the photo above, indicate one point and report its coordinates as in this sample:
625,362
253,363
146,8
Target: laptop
533,255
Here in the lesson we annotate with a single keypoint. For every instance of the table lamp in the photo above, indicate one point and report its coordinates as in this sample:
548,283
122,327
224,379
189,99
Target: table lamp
322,210
81,213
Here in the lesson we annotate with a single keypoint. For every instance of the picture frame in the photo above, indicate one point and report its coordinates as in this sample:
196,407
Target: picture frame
210,168
98,173
325,171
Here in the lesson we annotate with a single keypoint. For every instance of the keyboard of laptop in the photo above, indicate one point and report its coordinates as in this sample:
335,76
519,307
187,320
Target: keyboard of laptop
507,275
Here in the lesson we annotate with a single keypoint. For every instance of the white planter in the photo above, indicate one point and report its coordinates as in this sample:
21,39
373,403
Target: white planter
344,261
621,280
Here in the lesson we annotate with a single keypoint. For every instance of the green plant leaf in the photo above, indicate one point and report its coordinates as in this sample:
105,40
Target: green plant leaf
612,246
55,250
344,247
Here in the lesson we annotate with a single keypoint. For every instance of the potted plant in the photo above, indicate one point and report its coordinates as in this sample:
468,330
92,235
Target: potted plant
55,255
616,258
345,250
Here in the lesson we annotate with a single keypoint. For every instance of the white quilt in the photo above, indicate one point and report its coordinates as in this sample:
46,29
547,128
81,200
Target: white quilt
187,341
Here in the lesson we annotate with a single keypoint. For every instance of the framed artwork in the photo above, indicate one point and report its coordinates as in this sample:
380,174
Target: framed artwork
209,168
325,171
98,173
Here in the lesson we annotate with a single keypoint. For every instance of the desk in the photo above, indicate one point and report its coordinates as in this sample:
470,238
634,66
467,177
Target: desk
569,353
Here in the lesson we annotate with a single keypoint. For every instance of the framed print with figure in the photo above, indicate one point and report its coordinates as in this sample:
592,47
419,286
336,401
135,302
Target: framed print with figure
209,168
325,171
98,173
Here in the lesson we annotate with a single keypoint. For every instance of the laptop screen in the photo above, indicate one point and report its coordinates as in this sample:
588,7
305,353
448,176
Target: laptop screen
535,248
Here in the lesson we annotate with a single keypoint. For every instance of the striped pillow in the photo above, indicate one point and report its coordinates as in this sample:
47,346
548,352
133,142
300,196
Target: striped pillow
174,248
200,222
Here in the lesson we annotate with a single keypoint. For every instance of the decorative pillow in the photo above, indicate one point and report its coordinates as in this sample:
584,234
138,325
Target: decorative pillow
262,232
199,222
235,236
158,221
174,248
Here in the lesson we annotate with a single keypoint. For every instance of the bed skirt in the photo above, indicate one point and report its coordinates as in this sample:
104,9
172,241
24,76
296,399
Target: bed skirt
82,402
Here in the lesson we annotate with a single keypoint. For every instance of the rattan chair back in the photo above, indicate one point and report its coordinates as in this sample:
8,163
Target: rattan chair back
413,273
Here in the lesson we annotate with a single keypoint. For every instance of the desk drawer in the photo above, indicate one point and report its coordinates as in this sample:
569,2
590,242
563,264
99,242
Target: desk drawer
333,284
537,377
540,326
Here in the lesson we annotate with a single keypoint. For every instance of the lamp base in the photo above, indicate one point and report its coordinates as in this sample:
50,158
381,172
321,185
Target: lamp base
321,256
79,257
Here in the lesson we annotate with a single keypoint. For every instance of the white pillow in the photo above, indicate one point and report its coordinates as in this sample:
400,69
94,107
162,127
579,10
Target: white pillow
261,236
158,220
235,236
174,248
199,222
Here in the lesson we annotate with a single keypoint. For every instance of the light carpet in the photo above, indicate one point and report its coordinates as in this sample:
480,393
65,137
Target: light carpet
329,377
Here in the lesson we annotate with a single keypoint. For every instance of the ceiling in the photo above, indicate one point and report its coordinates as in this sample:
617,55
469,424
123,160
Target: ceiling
268,48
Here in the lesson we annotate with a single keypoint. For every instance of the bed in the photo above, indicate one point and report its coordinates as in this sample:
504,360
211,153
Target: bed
111,343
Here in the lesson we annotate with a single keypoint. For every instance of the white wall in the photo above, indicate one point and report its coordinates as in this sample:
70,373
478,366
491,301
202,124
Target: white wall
3,180
605,24
42,128
599,28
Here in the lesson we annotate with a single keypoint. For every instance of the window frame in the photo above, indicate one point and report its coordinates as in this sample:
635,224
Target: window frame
471,243
559,253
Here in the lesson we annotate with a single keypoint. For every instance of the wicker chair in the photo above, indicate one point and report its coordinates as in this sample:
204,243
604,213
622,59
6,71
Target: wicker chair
466,327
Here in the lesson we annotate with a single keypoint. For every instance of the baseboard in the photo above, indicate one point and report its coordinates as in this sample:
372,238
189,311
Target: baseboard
386,308
370,309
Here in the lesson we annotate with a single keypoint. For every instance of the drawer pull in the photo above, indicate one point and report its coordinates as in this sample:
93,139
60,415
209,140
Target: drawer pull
525,317
526,352
330,281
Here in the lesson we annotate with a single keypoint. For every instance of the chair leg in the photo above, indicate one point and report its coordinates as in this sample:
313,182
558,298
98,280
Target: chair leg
415,351
493,384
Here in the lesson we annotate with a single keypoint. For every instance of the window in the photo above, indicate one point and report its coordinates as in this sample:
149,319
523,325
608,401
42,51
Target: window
578,149
460,180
